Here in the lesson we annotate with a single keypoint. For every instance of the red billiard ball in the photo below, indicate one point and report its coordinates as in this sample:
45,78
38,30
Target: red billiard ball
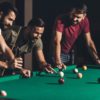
61,81
3,93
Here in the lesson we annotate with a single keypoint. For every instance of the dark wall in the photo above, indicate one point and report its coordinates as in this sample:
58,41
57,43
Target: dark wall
20,17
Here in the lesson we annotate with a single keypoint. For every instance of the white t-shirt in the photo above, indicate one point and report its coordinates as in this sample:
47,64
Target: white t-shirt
0,31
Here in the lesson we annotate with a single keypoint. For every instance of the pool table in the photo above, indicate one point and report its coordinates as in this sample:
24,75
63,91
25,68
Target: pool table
44,86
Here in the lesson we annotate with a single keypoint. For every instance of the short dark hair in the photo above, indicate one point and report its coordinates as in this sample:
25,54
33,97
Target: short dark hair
36,22
79,8
6,7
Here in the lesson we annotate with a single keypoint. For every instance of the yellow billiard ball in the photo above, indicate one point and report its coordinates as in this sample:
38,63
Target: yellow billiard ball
84,67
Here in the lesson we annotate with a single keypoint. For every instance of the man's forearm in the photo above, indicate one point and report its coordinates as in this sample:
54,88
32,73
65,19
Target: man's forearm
57,53
9,54
93,52
5,49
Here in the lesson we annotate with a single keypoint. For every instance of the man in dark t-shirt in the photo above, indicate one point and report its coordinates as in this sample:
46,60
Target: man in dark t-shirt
67,29
30,40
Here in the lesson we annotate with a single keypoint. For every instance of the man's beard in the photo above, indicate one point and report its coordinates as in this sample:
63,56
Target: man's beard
7,26
3,25
75,22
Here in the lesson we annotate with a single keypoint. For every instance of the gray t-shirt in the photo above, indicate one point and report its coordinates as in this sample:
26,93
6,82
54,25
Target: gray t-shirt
29,46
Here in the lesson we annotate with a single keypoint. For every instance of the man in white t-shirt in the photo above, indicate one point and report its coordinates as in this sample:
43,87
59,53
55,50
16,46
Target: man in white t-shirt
12,61
8,16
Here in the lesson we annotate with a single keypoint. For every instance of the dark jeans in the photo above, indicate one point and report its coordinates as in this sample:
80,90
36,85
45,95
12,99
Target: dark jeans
65,58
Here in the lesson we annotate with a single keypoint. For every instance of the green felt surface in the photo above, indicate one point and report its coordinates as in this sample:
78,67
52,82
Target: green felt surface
46,86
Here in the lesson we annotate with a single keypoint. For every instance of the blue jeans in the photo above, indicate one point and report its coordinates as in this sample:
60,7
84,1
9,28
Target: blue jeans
65,58
68,58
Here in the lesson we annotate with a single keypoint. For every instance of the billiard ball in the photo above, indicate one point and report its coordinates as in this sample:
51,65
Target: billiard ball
84,67
61,81
3,93
61,74
99,80
75,70
79,75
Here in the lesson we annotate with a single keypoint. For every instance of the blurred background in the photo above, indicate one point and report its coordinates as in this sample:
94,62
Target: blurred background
48,10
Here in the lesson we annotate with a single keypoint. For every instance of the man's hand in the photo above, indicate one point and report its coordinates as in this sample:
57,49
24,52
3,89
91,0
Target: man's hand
48,68
98,61
61,66
3,64
26,73
17,63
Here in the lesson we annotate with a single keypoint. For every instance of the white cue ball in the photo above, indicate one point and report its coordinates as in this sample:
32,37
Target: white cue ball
75,70
61,74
